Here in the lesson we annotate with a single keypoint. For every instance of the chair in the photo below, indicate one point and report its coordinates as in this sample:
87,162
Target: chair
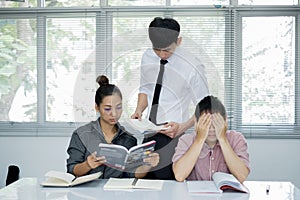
12,174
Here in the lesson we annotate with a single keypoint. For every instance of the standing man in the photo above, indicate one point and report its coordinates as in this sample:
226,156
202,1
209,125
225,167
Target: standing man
171,78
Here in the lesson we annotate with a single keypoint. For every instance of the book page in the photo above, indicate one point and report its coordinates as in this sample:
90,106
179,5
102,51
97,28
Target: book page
144,125
58,179
203,187
132,183
65,177
221,178
228,181
86,178
119,183
149,184
55,182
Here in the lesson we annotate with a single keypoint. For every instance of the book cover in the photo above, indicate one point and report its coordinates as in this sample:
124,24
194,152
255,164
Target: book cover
63,179
119,157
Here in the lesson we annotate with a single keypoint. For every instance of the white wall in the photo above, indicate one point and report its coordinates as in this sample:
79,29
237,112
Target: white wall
274,159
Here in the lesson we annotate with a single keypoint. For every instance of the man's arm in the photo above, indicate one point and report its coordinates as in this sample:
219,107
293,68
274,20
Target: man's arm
186,125
184,165
151,161
142,104
91,162
235,164
176,129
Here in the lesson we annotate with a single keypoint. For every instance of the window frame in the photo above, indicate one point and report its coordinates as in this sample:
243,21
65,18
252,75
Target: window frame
266,131
104,15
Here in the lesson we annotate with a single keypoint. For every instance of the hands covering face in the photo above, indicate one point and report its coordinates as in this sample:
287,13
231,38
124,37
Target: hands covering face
219,124
207,120
203,125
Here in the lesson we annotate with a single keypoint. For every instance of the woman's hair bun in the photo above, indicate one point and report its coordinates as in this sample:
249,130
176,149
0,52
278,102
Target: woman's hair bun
102,80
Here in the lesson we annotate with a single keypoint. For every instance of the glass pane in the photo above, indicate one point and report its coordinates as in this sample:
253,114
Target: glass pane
18,73
268,2
70,43
136,2
204,36
72,3
127,57
18,3
268,70
202,2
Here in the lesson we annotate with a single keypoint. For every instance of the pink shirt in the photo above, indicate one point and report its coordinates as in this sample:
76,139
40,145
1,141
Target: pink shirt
212,160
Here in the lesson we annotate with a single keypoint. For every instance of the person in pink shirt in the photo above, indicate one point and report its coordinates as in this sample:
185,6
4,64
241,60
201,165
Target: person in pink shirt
211,148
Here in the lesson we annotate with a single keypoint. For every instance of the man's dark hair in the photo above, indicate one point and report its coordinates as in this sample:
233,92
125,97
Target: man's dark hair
163,32
210,104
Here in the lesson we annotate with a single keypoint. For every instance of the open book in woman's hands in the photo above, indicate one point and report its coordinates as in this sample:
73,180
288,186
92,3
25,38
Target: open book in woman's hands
63,179
119,157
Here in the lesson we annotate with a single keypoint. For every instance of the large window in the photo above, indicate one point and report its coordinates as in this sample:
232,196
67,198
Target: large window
50,58
18,70
268,67
70,42
268,76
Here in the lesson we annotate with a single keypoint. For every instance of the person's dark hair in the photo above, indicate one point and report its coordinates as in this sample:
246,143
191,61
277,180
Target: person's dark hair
163,32
210,104
105,89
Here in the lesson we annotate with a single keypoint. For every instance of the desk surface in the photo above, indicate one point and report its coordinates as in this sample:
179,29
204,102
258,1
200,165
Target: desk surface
29,189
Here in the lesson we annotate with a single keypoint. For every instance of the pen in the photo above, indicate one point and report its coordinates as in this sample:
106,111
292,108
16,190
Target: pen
267,189
134,181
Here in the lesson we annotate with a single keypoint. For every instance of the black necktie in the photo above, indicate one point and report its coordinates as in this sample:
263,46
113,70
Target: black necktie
157,89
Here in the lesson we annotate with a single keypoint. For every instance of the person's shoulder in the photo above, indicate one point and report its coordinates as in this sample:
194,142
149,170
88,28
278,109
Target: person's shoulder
187,137
234,135
86,128
185,53
190,58
148,52
149,58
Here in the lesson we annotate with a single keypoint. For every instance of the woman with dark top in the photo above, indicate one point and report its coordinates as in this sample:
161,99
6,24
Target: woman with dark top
85,140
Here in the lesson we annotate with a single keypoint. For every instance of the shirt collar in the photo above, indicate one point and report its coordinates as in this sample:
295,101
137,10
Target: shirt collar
172,58
206,150
98,128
